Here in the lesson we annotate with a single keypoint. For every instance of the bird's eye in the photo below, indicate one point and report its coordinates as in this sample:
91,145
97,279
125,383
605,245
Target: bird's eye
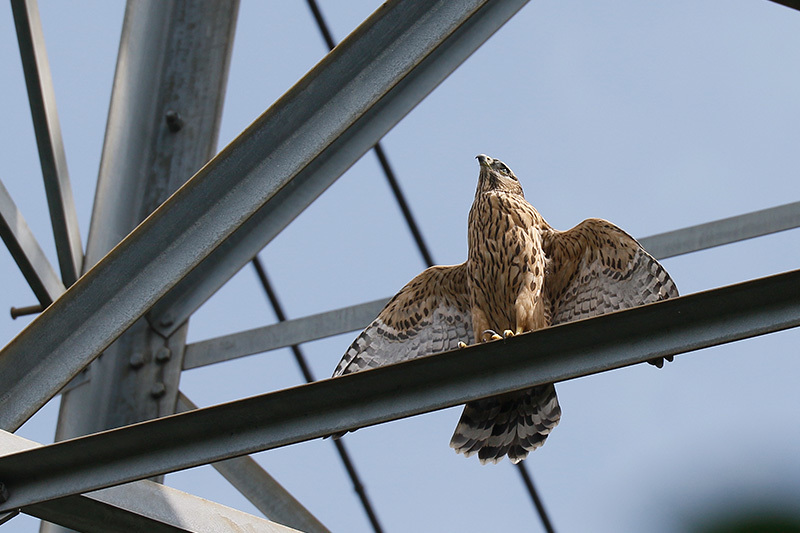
506,171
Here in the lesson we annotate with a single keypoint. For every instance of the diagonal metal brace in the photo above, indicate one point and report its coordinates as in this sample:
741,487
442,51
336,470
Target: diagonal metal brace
27,253
42,98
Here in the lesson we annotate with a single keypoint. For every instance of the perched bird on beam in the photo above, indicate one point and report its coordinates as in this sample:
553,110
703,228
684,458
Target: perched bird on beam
520,275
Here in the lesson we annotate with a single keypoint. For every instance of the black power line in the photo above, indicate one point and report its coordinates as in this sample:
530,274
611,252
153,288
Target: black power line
401,201
321,24
309,377
537,502
379,152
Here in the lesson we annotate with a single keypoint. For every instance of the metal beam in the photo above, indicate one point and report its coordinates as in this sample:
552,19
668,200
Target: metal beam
256,185
724,231
319,326
173,64
365,86
287,333
163,125
26,251
151,507
139,506
788,3
261,489
165,111
5,517
429,383
42,100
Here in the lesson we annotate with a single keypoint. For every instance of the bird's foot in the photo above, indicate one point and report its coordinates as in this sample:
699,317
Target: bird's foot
508,333
490,335
462,344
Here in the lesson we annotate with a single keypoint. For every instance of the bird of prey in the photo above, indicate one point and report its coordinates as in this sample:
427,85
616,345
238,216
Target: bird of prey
520,275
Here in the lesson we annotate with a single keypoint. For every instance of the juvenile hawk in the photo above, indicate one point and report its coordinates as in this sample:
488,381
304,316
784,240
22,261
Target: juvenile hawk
520,275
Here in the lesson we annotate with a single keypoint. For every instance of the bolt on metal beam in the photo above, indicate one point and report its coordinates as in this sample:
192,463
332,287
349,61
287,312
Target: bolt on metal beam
42,100
405,389
241,199
17,312
27,253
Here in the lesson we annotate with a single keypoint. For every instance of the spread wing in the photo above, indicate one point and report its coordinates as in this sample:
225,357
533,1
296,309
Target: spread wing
430,314
595,268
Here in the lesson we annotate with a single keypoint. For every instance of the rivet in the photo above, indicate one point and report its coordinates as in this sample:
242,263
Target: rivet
158,390
163,354
137,360
166,322
174,121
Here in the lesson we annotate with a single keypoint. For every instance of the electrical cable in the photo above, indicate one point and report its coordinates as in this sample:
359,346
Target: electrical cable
537,502
380,153
358,486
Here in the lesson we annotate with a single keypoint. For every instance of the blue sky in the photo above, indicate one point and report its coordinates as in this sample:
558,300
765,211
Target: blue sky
654,115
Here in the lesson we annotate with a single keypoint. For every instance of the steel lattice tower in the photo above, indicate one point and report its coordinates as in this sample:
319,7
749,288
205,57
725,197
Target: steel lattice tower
173,222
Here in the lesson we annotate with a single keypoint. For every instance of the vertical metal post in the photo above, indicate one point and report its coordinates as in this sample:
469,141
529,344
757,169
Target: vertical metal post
162,127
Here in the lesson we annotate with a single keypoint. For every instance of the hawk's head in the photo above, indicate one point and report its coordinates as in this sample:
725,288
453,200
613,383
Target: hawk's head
496,176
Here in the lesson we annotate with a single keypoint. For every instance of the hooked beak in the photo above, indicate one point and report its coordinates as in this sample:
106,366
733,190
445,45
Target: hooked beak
483,160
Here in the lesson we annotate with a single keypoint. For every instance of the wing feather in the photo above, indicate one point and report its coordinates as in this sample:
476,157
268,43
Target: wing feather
595,268
429,315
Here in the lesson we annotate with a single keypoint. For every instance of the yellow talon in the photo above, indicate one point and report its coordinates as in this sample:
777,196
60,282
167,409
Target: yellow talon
508,333
462,344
